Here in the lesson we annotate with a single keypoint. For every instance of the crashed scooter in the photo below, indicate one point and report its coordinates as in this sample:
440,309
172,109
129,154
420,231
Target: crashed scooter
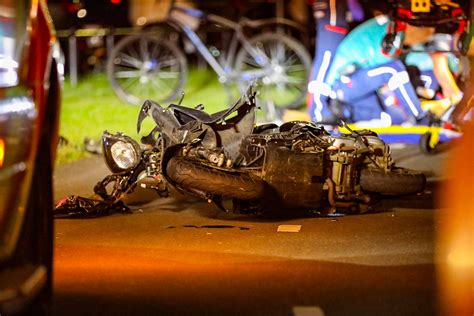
224,157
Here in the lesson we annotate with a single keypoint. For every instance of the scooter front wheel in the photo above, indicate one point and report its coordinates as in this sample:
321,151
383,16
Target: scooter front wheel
190,174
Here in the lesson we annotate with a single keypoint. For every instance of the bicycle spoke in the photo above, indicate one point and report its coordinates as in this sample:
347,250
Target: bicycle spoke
133,62
250,61
141,89
261,52
291,60
300,88
144,91
127,74
258,53
167,75
129,83
168,63
164,83
163,54
155,51
296,83
151,92
292,86
144,49
133,53
279,92
147,67
251,74
292,80
283,78
296,68
282,51
277,52
294,89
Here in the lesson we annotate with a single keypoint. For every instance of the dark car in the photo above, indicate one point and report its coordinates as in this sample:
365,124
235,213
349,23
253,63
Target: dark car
29,111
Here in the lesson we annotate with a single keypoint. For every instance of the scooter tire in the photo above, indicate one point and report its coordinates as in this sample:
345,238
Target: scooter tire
399,181
190,174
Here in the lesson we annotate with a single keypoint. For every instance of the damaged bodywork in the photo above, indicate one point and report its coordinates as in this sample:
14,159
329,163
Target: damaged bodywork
224,156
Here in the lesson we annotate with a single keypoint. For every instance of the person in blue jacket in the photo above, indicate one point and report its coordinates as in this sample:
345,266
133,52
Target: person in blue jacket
332,19
360,68
366,73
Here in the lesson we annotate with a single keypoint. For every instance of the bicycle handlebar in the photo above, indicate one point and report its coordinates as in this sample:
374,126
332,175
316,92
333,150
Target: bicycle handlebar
190,11
244,22
271,21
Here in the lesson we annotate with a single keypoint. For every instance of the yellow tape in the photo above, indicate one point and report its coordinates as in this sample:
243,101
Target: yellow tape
395,129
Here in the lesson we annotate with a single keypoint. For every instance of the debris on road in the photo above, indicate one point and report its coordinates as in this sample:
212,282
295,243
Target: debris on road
308,311
93,146
289,228
80,207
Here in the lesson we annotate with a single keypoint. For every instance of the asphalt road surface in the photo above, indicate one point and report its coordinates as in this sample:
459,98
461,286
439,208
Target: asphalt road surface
179,256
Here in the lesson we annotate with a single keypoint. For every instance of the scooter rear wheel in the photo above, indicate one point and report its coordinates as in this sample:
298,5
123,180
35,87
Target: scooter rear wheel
399,181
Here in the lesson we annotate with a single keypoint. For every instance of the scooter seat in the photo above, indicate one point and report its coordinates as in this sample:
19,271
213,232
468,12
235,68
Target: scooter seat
203,117
199,115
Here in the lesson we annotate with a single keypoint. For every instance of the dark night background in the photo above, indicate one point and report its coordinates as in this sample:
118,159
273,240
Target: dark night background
113,13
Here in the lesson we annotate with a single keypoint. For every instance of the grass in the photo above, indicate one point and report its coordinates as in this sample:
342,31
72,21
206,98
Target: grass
91,107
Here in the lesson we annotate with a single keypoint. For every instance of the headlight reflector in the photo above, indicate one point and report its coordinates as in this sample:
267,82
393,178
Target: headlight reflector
121,152
124,154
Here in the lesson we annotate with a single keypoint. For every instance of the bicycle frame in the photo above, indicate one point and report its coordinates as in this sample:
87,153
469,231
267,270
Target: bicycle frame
277,61
225,70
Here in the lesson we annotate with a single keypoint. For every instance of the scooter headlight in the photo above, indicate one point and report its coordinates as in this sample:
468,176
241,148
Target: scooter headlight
121,152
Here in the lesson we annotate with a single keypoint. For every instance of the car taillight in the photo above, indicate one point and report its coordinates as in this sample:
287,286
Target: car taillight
2,152
17,126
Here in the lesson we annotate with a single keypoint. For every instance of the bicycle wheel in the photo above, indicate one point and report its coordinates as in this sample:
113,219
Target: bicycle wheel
281,66
145,67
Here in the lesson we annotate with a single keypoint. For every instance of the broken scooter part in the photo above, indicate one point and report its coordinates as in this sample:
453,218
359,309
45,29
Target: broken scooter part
225,157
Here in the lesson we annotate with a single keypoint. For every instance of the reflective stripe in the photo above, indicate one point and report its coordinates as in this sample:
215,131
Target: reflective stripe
318,87
318,115
321,88
427,80
380,71
333,12
409,101
324,66
398,80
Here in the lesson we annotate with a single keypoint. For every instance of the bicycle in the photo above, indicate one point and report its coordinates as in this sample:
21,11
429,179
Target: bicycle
145,66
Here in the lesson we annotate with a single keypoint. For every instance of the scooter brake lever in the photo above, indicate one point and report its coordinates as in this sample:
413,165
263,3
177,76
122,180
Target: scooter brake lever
342,123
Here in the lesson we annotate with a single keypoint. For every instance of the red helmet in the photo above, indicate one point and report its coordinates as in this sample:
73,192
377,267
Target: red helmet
448,17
